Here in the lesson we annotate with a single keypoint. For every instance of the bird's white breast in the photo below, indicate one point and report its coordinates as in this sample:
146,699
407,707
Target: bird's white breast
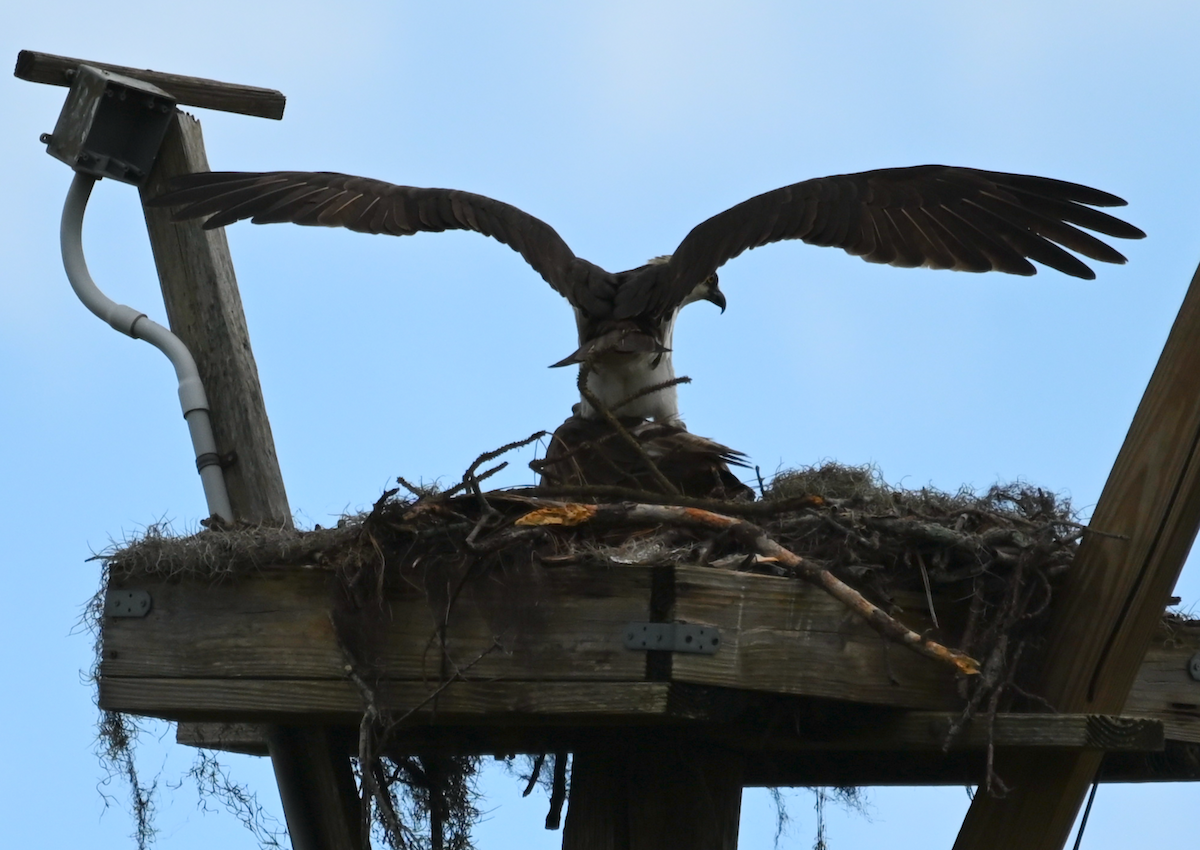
616,377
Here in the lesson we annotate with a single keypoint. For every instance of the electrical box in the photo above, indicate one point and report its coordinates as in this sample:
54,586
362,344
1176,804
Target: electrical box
111,125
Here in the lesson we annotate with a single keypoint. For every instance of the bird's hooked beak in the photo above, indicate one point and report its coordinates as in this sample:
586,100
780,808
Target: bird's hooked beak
714,293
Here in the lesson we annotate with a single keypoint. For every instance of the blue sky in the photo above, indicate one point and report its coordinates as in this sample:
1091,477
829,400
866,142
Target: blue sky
622,125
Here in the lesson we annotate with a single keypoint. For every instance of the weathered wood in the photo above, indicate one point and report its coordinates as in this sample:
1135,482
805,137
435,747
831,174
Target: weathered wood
1179,763
1111,603
276,625
926,730
205,311
637,792
248,739
1163,688
904,732
787,636
326,797
189,91
301,701
778,636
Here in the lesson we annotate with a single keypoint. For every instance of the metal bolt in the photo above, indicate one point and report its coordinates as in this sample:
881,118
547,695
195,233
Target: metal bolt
1194,667
45,138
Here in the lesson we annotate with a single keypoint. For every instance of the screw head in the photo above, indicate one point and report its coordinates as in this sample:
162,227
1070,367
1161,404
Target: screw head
1194,667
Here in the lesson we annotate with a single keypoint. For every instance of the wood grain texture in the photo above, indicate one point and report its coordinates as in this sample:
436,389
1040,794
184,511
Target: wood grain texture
786,636
189,91
905,732
205,311
1163,688
1111,603
778,636
308,701
276,625
926,730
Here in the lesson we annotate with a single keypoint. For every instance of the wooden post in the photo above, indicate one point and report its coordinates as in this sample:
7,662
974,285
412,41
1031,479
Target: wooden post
1107,611
648,791
205,311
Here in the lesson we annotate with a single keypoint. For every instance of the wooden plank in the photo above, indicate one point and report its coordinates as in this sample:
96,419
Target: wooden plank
189,91
926,730
245,738
1163,688
906,732
786,636
205,311
1113,597
308,701
960,767
276,625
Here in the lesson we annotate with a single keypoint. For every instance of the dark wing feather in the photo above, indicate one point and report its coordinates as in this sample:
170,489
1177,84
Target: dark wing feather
373,206
931,215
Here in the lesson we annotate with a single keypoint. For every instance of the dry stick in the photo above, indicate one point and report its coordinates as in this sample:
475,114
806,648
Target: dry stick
535,774
609,491
374,717
928,591
753,536
653,388
471,480
585,369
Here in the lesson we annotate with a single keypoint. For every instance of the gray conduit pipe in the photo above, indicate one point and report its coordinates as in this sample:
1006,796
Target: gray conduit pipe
137,325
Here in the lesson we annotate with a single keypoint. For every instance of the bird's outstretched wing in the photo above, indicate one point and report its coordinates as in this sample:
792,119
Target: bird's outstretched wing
375,206
930,215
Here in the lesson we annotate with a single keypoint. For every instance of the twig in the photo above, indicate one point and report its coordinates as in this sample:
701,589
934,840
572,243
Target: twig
928,592
535,774
608,491
645,391
754,536
585,369
469,476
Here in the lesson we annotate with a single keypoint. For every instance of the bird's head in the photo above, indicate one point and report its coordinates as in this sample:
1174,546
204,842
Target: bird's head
707,290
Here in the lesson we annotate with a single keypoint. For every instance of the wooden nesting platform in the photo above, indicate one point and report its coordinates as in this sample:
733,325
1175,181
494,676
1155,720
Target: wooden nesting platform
808,691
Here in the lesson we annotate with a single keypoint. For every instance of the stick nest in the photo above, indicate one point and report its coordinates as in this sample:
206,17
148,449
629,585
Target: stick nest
990,560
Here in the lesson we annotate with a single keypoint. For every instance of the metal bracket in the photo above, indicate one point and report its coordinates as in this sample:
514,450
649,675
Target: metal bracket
673,637
127,603
1194,667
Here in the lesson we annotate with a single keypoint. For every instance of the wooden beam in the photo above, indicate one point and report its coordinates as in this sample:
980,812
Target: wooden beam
205,312
647,792
910,731
779,636
188,91
1111,603
304,701
1178,763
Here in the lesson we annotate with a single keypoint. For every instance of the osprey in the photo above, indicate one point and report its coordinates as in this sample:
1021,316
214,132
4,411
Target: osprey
937,216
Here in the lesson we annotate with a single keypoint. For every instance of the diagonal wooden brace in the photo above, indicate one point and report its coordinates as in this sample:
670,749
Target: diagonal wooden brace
1113,599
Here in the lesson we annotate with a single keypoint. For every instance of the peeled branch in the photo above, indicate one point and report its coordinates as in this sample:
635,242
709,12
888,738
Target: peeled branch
751,535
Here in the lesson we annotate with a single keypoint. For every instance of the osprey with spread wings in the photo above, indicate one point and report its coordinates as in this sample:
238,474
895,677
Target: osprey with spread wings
936,216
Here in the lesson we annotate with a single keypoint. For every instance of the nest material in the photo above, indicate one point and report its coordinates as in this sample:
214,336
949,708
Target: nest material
999,554
1002,551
